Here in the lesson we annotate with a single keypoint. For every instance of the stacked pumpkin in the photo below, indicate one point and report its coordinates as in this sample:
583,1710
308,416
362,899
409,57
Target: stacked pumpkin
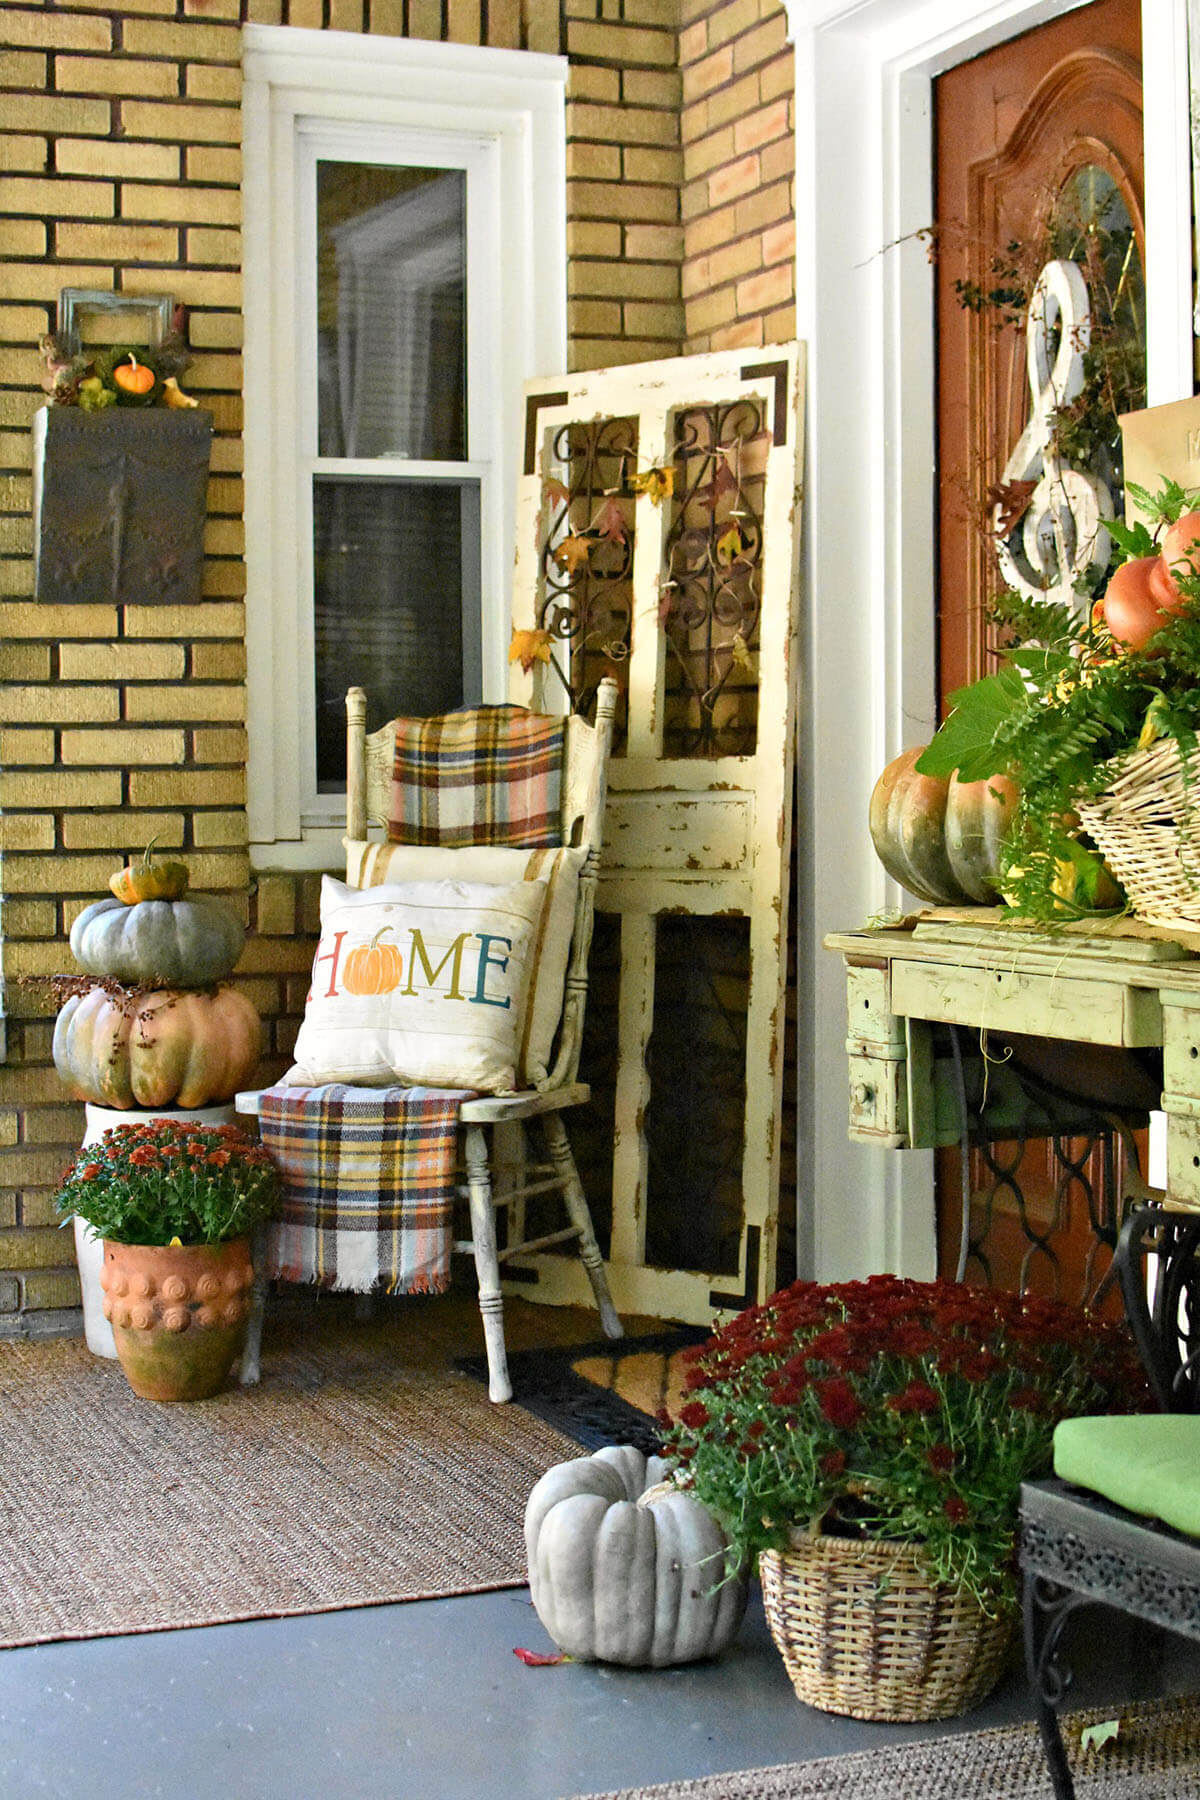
941,839
157,1029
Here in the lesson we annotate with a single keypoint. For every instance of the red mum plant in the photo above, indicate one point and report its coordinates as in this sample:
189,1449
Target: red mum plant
161,1182
893,1409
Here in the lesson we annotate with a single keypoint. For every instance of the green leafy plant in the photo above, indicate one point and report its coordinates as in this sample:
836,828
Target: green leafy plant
893,1409
1063,713
165,1182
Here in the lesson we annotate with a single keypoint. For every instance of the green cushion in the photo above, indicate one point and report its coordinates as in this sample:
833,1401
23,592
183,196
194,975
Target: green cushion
1148,1464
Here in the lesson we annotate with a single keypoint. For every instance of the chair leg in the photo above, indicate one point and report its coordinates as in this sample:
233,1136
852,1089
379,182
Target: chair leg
1046,1606
559,1147
250,1365
487,1262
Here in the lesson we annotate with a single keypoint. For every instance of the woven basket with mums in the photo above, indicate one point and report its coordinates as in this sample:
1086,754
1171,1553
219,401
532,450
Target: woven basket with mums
863,1631
1147,828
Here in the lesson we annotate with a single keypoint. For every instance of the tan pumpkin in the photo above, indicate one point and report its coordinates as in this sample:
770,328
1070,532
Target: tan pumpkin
373,968
167,1048
625,1568
941,838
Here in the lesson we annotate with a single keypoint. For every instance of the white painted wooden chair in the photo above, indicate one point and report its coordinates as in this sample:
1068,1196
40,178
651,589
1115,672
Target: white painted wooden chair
499,1132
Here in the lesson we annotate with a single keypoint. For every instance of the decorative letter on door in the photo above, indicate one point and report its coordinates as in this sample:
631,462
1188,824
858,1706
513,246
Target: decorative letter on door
657,540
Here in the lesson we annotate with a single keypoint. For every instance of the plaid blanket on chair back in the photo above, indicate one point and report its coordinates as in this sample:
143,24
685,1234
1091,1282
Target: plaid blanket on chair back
368,1186
486,775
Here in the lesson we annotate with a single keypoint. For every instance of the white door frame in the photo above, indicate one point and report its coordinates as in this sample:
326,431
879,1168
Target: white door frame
864,70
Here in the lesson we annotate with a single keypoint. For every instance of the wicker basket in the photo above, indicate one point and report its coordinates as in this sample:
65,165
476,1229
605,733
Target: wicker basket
864,1631
1147,828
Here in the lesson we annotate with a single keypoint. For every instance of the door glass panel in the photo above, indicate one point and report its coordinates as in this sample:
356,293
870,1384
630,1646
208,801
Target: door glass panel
390,562
391,311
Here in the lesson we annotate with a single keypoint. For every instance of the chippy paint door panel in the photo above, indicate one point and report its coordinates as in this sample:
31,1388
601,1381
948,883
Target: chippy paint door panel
657,539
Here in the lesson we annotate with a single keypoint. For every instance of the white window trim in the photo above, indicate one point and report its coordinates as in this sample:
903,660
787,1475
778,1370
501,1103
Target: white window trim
502,110
864,74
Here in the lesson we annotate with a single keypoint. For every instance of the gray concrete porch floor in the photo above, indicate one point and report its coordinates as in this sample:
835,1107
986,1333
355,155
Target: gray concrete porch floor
426,1701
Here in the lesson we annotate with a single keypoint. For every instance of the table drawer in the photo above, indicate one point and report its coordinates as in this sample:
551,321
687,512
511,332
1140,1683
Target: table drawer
1090,1012
878,1101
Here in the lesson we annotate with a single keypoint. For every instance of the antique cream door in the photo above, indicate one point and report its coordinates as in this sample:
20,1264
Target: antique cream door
657,541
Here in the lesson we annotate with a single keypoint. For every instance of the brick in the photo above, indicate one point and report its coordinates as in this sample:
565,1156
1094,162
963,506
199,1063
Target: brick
225,495
56,704
192,42
108,746
586,82
58,31
597,162
219,746
115,75
8,1128
223,579
217,869
654,319
664,13
121,662
207,245
18,409
709,73
20,1167
213,9
216,331
770,288
764,207
759,45
22,69
180,205
693,39
733,102
48,1290
347,15
207,619
24,237
196,287
186,787
18,151
732,21
745,334
57,875
208,81
208,163
118,243
146,162
778,160
622,125
733,179
225,457
712,310
35,619
218,662
593,317
26,831
58,115
90,199
16,576
652,87
121,830
779,243
625,280
768,123
16,536
30,918
182,123
193,701
21,747
622,200
219,830
622,44
638,164
654,243
779,327
587,237
275,906
604,353
721,266
62,787
24,1086
778,77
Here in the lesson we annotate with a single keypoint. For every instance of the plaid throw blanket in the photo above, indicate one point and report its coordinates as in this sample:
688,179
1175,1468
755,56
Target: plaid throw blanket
486,775
368,1185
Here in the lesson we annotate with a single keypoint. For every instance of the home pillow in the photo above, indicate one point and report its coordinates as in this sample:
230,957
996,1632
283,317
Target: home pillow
422,984
1145,1462
368,864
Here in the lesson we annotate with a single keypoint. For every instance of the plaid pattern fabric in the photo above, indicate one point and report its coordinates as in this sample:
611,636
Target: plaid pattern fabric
368,1186
486,775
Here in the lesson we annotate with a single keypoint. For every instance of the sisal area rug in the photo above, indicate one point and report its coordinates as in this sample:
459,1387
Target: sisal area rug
364,1469
1155,1756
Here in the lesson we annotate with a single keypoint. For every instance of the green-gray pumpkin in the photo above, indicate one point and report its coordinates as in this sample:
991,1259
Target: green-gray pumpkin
192,942
625,1570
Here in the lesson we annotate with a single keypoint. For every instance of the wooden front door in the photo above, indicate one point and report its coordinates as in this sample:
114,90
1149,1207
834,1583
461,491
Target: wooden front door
1038,155
657,542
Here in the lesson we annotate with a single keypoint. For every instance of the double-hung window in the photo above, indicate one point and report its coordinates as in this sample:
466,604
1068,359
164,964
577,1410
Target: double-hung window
404,267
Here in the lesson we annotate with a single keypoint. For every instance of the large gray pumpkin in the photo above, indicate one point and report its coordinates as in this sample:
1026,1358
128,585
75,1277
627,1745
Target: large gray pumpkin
621,1573
192,942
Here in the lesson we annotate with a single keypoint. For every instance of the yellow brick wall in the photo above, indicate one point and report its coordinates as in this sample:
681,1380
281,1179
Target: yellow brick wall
120,166
739,168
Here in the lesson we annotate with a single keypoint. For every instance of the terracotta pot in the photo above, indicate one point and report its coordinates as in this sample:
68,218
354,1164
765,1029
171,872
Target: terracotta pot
178,1313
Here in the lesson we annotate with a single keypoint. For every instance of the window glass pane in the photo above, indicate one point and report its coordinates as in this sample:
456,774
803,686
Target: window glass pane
396,603
391,311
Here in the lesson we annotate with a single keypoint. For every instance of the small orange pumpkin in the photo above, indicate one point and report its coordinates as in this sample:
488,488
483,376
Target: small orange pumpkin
374,968
149,880
134,378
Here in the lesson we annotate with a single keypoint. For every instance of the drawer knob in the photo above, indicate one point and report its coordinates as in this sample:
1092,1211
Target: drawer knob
861,1094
